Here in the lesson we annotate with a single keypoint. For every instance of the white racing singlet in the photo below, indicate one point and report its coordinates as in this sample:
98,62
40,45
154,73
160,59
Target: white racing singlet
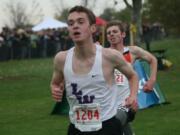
123,85
90,98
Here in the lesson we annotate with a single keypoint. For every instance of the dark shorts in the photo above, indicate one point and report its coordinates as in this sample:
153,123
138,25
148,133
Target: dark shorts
109,127
131,115
124,116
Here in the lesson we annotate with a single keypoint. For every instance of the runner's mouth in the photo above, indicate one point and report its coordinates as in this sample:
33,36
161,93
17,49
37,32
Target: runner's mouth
76,33
112,39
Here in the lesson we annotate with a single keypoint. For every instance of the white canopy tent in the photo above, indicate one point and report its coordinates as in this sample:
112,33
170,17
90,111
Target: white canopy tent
49,23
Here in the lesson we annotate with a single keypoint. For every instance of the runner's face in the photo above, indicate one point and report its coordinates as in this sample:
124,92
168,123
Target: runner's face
79,27
114,35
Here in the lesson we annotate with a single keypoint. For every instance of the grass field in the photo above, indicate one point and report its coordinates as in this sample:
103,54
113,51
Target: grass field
26,103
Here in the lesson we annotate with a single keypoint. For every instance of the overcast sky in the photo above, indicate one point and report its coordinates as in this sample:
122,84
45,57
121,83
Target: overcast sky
48,8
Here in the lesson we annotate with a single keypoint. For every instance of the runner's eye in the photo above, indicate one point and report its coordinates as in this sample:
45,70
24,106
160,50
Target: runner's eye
108,33
81,21
70,23
115,31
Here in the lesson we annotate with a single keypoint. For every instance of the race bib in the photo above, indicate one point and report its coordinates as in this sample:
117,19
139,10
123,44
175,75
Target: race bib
119,78
87,117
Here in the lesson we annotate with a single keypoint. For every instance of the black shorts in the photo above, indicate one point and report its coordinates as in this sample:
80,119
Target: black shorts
124,117
109,127
131,115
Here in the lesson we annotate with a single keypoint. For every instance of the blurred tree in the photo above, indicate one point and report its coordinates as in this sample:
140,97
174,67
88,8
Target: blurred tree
85,3
61,9
136,17
63,15
108,14
124,15
111,14
20,15
166,12
91,4
58,6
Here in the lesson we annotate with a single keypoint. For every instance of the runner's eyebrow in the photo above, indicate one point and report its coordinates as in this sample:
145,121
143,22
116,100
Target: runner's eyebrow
112,31
78,19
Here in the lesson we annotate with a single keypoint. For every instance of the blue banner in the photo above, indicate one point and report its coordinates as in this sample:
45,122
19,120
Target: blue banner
144,99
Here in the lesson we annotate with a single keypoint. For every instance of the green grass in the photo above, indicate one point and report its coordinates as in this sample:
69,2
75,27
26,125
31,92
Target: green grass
26,103
164,119
25,99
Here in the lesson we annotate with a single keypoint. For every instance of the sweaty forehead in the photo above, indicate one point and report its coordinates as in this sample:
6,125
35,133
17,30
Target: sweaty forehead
114,27
77,15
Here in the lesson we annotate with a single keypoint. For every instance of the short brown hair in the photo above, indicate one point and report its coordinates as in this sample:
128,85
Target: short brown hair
116,23
89,13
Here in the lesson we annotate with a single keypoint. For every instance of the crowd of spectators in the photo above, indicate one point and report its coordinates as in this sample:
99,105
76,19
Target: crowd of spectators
152,32
26,44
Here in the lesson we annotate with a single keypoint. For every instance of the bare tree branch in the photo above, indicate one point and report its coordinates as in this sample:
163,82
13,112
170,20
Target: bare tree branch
93,4
58,6
127,4
19,14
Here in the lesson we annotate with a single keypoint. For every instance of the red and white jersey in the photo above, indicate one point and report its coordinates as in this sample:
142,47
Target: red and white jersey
89,91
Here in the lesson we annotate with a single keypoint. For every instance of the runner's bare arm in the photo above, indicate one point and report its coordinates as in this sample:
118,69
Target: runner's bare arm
57,81
140,53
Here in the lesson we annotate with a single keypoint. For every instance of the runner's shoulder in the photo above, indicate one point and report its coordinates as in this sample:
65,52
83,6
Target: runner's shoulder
133,48
60,57
109,53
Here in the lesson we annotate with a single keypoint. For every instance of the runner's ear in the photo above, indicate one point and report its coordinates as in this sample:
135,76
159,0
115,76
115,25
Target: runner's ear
93,28
123,34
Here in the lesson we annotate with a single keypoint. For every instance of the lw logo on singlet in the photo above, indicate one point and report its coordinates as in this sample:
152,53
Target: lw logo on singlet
79,95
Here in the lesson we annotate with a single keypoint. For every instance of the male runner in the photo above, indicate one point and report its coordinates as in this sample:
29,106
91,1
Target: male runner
88,73
115,36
